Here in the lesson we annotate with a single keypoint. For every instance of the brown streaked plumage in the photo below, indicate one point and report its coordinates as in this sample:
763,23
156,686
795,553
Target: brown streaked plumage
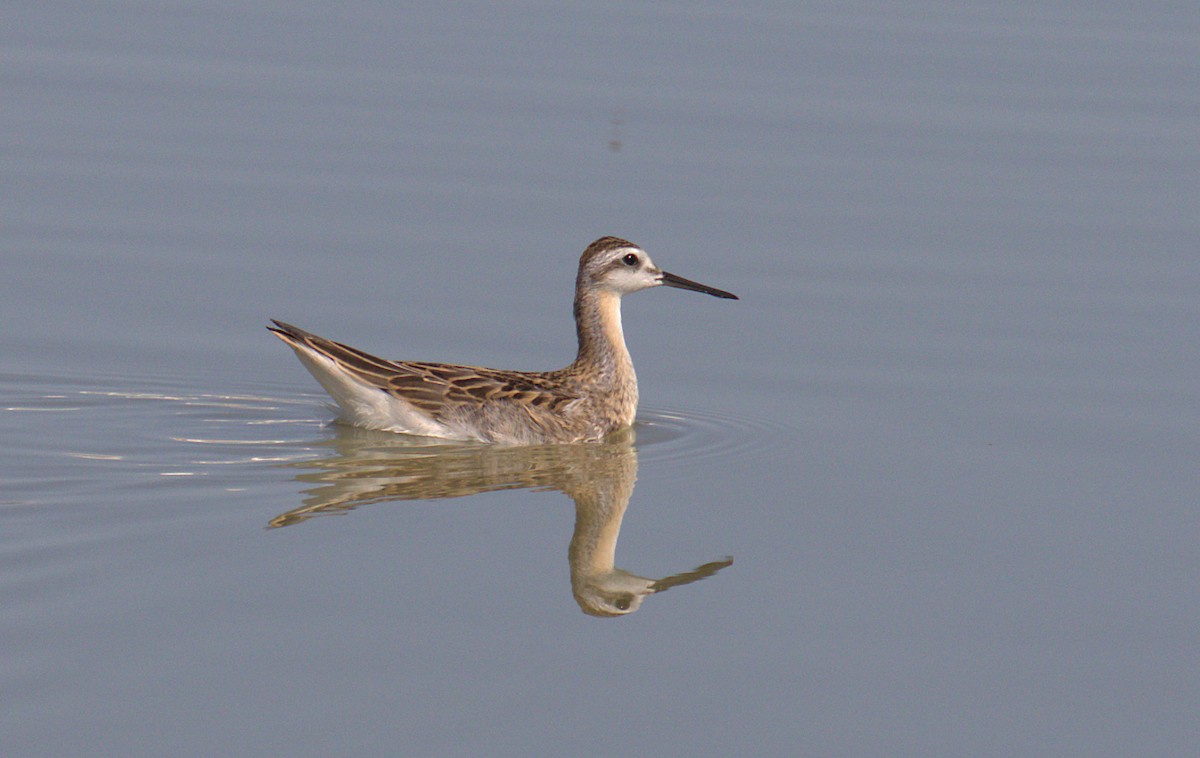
590,398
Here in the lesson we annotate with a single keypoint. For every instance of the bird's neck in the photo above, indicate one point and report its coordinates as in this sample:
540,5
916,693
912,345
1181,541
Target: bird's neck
602,350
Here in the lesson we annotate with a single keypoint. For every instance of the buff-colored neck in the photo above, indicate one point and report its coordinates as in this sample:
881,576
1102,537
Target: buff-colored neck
602,348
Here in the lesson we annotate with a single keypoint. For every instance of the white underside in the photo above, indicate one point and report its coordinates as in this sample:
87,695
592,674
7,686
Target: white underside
368,406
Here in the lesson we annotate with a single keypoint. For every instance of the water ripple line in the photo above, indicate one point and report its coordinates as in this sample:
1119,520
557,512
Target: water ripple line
677,436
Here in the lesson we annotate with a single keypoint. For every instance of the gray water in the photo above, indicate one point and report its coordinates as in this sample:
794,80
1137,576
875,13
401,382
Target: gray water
928,488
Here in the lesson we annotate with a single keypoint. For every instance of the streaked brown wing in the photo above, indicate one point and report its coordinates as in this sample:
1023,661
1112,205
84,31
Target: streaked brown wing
432,386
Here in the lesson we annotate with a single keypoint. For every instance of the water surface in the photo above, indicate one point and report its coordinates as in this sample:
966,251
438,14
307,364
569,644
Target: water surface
928,488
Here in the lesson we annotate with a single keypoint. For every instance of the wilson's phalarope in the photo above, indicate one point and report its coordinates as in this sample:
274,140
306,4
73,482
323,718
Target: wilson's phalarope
596,395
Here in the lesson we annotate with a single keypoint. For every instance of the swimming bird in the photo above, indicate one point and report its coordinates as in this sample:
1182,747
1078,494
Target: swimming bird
594,396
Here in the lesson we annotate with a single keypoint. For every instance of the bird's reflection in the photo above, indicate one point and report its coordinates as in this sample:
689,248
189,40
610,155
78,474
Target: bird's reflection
373,467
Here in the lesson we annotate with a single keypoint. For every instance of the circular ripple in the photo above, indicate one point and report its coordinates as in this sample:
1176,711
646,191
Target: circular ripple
666,436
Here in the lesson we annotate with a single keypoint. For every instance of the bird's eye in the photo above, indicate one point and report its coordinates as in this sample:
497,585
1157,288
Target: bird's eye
630,259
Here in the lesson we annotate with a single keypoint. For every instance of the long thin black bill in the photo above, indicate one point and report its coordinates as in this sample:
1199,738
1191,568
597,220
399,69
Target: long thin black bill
671,280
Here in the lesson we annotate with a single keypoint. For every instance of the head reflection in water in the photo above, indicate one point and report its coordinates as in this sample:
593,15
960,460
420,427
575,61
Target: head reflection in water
373,467
601,497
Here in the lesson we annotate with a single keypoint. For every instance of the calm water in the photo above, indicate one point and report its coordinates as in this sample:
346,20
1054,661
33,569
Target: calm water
929,488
